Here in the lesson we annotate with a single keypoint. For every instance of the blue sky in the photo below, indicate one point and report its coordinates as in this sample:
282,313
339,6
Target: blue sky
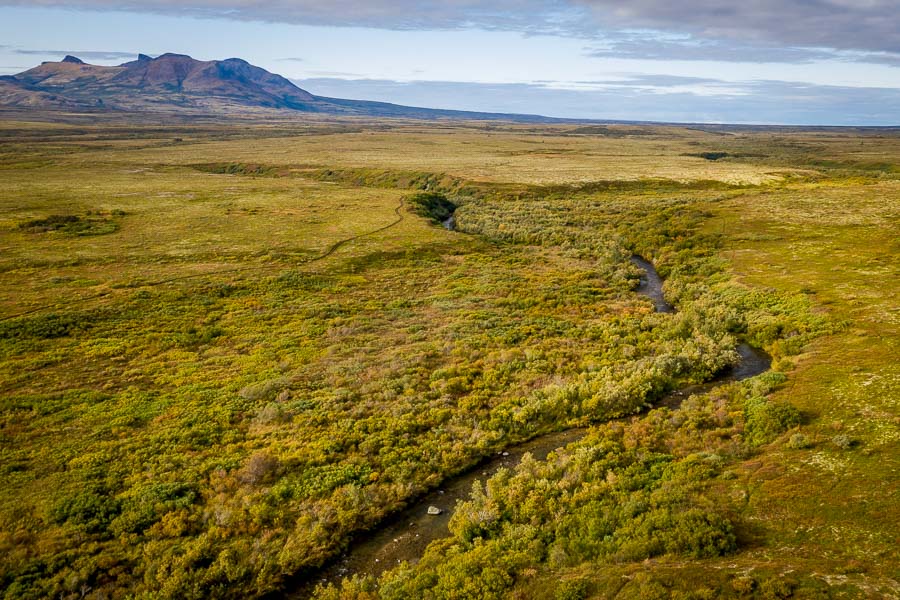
823,62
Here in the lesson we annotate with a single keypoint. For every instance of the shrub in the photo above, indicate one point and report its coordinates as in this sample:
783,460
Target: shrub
254,170
765,420
432,205
272,413
263,389
799,441
147,505
40,327
90,509
71,225
777,587
692,533
259,467
843,441
572,589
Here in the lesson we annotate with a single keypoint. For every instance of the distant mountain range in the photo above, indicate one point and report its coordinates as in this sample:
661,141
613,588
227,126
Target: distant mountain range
179,83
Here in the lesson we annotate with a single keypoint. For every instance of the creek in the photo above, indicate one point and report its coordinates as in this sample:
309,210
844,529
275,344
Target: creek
405,535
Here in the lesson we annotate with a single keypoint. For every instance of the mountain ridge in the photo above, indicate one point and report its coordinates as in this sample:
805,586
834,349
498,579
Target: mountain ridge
180,83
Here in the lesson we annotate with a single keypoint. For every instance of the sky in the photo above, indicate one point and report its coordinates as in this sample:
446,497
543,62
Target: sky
805,62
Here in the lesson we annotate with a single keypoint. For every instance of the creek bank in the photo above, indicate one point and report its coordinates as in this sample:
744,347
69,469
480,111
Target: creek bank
436,207
404,536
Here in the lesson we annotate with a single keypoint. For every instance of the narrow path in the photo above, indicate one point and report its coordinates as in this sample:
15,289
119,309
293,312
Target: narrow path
328,252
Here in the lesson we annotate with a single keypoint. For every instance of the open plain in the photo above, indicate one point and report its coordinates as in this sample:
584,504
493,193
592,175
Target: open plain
232,349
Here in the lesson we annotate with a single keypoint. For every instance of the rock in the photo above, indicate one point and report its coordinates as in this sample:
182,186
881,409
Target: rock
434,510
506,454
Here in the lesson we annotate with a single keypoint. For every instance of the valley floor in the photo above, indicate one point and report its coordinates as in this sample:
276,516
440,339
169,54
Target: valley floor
227,350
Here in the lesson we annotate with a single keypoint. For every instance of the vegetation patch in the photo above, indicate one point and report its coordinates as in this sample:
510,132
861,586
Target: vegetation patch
254,170
97,224
713,156
433,206
46,326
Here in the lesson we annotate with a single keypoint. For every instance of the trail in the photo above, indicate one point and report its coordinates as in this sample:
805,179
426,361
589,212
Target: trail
328,252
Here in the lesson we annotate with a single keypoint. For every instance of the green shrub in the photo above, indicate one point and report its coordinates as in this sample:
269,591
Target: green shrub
71,225
239,169
572,589
146,505
91,510
44,327
764,420
432,206
693,533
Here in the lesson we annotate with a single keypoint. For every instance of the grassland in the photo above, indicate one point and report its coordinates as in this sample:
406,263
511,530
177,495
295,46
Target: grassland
226,349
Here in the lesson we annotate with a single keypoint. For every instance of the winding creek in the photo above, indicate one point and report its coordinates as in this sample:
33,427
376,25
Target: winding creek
404,536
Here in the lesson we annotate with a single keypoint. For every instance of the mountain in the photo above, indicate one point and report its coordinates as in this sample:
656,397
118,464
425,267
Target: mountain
176,82
173,80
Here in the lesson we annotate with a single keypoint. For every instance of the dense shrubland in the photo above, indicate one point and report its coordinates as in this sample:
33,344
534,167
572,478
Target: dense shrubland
629,491
213,439
625,493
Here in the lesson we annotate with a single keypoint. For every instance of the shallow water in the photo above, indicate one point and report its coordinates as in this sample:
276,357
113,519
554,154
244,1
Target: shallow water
405,536
449,223
651,285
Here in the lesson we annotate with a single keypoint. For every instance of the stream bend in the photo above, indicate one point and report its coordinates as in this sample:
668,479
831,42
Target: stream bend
405,535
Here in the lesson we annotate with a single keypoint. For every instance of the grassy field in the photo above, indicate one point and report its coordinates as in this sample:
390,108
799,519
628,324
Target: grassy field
226,349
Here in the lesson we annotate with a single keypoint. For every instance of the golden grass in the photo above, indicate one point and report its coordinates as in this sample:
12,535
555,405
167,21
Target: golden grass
504,156
827,504
820,219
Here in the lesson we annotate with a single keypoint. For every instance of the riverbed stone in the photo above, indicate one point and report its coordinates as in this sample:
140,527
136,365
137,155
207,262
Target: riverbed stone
434,510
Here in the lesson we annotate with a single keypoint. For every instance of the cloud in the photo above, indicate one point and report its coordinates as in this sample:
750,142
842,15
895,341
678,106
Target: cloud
761,30
517,15
655,84
88,54
337,74
840,24
291,59
660,98
655,45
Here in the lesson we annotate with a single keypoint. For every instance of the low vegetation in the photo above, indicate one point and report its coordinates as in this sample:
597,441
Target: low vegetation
268,356
72,224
